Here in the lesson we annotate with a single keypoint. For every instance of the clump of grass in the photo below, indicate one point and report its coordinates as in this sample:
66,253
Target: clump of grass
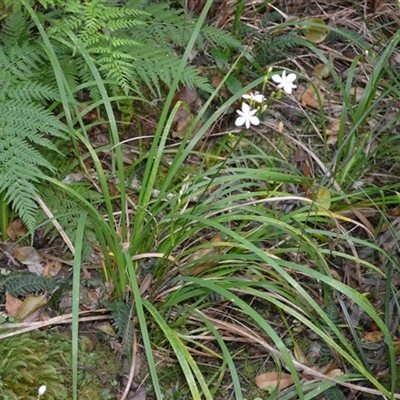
193,260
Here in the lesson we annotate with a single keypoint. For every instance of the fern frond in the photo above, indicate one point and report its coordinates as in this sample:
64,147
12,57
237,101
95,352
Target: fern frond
31,122
271,17
220,38
20,284
120,315
273,48
95,18
346,34
26,128
158,66
25,91
122,322
131,43
14,28
67,210
334,393
21,61
20,194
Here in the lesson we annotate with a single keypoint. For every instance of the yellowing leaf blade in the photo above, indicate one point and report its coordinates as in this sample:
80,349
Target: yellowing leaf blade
316,34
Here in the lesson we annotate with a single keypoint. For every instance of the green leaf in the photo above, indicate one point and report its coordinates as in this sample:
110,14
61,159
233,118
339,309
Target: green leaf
233,84
316,31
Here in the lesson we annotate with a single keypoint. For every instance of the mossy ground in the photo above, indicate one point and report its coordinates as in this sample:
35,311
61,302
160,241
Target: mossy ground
42,358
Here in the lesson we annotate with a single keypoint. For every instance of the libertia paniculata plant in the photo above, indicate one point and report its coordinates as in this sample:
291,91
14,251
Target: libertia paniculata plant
194,260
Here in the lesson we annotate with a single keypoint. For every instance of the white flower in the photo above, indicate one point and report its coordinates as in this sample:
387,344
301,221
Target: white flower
285,82
247,116
42,390
257,97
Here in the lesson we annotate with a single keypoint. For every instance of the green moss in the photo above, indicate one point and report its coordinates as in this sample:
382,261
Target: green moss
30,360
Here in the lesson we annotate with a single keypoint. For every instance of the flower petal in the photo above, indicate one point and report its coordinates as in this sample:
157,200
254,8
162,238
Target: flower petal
240,121
254,120
42,390
285,82
246,116
276,78
287,88
259,98
245,108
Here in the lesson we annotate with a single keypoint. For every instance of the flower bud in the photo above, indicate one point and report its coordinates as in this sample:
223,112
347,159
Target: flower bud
42,390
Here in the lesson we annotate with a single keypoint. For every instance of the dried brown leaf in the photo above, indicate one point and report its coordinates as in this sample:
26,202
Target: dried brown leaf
182,121
322,71
312,96
37,269
27,255
375,336
30,305
52,268
16,229
332,139
233,142
184,116
333,127
145,283
334,373
327,368
300,155
140,394
90,298
12,305
270,380
356,93
299,354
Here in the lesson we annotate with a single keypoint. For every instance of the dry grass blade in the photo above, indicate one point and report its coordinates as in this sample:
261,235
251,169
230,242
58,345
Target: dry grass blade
61,319
311,372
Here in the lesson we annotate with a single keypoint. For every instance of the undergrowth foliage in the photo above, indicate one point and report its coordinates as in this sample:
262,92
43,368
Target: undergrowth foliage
19,284
134,46
136,49
182,257
28,129
36,363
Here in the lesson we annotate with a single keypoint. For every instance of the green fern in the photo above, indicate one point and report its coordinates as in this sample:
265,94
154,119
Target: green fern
26,127
19,284
122,322
67,210
334,393
130,42
332,312
346,34
270,18
273,48
120,313
14,29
